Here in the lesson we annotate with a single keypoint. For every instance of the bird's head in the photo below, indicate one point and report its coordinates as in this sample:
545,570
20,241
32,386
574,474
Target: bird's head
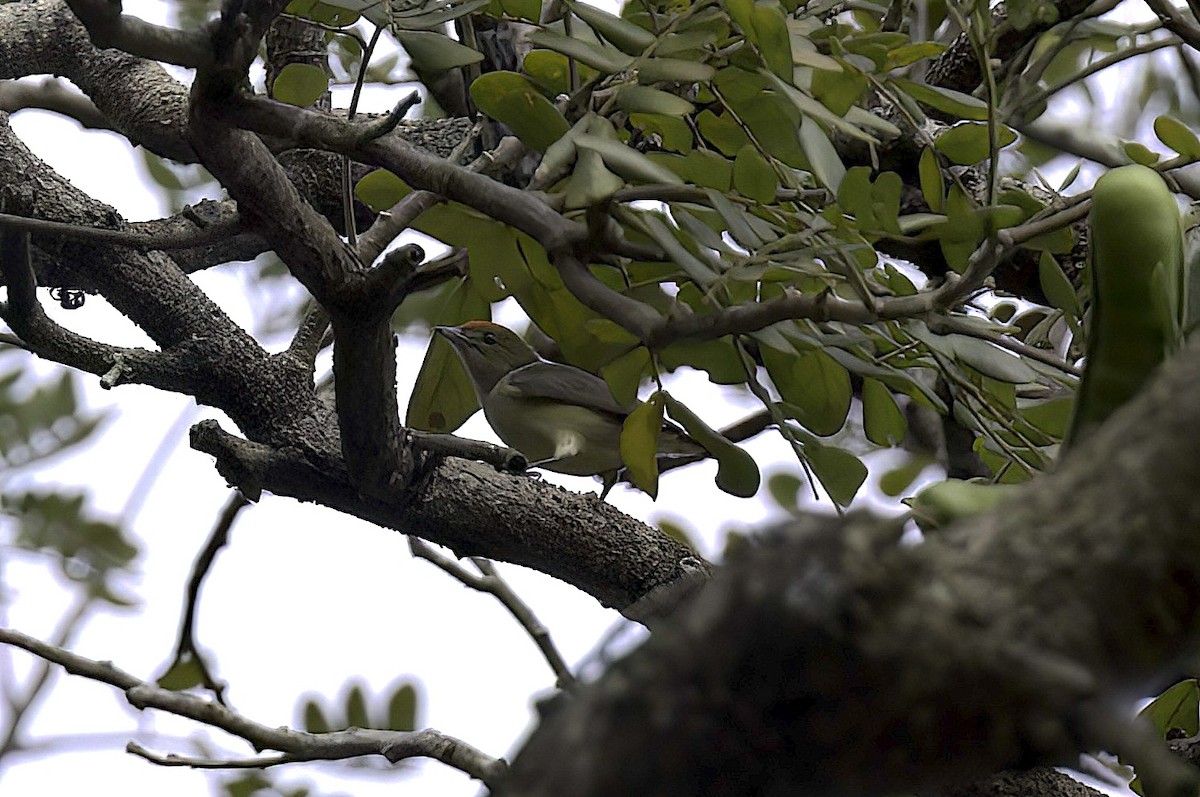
488,351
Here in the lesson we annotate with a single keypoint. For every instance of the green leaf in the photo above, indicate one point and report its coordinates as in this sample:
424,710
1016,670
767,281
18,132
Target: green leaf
955,103
875,205
591,183
381,189
625,373
674,132
1058,289
967,143
509,98
435,52
88,552
962,231
896,481
1052,417
1176,709
737,473
184,673
784,488
443,397
699,167
551,71
945,502
717,358
626,161
624,34
315,720
643,99
814,108
1177,136
771,36
529,10
453,302
356,708
325,13
897,283
674,70
826,164
722,132
600,57
992,361
753,176
815,389
700,272
840,472
883,421
838,91
737,220
420,19
907,54
741,12
639,444
402,708
1139,153
300,84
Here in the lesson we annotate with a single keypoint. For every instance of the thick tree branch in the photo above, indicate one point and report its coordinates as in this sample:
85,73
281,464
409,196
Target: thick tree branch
109,28
136,95
476,511
359,306
833,660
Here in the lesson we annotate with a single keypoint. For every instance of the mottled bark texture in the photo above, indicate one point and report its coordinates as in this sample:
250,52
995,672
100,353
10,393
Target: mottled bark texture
833,660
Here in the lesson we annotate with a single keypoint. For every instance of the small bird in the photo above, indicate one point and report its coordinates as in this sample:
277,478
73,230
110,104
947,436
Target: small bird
560,417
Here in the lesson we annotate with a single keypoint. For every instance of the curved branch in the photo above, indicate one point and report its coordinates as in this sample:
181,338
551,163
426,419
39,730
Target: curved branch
51,95
392,745
109,28
136,96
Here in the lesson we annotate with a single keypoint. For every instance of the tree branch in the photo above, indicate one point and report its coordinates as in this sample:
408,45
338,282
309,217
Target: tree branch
300,746
1007,640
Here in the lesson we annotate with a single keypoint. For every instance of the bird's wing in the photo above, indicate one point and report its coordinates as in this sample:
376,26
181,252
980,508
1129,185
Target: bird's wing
565,384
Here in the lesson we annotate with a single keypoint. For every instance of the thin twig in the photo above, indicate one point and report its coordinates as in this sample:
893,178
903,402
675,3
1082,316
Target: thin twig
489,580
185,645
40,676
302,746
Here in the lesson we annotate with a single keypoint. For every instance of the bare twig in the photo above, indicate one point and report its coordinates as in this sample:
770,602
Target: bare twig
185,645
40,676
489,580
301,746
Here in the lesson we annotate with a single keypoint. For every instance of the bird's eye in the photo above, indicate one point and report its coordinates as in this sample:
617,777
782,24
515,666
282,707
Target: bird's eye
489,338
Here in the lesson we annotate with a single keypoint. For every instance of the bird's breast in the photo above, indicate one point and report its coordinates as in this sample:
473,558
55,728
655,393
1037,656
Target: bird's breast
563,437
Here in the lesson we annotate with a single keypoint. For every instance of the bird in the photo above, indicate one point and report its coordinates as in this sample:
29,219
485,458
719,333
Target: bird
562,418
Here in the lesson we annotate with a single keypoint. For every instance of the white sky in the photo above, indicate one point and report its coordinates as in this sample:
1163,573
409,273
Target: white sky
303,598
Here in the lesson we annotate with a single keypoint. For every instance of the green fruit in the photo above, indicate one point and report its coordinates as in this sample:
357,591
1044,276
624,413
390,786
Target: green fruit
1138,291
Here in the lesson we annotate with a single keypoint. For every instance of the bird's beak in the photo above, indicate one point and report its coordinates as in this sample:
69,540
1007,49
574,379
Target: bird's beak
449,333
